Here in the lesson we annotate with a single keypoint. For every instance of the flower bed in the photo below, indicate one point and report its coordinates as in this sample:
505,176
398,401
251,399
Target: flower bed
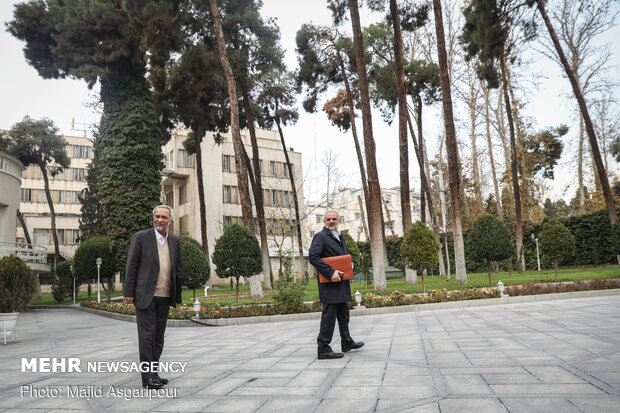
436,296
563,287
396,298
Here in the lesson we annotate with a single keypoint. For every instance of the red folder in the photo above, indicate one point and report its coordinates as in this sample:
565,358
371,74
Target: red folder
341,263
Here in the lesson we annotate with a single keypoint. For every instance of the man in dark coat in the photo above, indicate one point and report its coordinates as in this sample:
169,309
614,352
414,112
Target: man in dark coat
153,284
335,294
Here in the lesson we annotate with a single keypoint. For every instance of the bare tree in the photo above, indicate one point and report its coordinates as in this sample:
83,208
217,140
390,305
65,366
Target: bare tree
579,26
577,90
451,147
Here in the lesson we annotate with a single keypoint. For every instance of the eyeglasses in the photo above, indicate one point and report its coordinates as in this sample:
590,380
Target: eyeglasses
161,217
331,219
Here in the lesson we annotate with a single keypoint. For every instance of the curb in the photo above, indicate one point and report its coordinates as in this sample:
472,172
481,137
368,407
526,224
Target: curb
356,312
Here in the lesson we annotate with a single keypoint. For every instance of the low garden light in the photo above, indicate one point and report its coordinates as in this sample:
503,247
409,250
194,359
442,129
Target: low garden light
197,307
534,238
99,261
500,288
358,298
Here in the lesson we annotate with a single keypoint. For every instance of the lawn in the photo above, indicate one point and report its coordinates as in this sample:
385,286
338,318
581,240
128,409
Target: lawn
225,296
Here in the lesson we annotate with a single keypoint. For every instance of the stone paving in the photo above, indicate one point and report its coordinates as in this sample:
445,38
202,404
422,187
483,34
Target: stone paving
547,356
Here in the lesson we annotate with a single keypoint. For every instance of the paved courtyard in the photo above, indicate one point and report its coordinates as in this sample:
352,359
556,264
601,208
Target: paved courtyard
548,356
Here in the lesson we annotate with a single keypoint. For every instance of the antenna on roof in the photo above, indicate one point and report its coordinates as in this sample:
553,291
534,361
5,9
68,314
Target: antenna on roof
84,126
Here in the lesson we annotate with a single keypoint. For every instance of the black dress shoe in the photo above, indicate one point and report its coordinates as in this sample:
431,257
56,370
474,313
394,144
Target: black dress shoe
152,384
163,381
330,355
352,346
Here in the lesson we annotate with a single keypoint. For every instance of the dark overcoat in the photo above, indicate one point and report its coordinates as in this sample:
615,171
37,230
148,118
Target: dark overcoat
324,244
142,269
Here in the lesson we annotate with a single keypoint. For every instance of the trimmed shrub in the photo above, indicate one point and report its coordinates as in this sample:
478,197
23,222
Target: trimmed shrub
196,270
17,284
489,240
419,249
556,241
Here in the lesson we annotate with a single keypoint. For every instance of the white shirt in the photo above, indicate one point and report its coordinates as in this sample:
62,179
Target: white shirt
160,238
336,234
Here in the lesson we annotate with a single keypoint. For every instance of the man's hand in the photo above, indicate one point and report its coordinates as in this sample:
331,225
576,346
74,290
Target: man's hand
128,300
336,276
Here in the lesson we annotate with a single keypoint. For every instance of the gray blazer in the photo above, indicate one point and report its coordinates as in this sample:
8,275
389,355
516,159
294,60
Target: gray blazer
143,268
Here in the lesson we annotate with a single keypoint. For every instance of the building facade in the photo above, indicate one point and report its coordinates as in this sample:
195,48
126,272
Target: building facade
349,203
65,187
223,205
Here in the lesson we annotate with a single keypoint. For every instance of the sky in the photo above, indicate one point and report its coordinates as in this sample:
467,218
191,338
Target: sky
73,107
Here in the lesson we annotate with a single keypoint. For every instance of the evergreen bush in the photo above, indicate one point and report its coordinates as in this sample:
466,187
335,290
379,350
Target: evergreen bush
17,284
556,241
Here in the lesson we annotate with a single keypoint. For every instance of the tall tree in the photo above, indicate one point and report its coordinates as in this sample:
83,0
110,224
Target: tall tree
36,142
485,37
278,97
375,217
580,26
199,96
451,147
240,162
114,43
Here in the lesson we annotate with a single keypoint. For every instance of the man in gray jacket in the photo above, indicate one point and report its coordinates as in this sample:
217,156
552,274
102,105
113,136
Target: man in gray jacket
153,284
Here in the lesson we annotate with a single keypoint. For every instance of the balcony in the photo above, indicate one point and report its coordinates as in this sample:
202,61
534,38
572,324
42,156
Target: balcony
32,254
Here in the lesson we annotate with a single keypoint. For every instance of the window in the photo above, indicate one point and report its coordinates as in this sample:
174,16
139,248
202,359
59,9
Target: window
60,234
61,197
81,151
285,170
227,194
260,166
226,221
273,197
226,163
26,195
272,168
78,174
41,196
74,197
182,194
41,236
357,215
170,198
318,218
59,173
76,235
285,198
342,219
185,160
184,225
171,158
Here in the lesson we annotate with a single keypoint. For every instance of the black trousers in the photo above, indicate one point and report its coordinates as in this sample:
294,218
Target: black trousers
151,323
331,313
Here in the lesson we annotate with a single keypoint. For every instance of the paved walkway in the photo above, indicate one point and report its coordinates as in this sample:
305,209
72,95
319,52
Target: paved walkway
549,356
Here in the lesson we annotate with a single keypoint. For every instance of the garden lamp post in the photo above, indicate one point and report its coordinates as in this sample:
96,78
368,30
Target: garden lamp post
500,288
73,275
537,253
358,298
99,261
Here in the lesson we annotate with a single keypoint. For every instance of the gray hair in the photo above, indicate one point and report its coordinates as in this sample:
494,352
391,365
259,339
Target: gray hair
331,210
163,206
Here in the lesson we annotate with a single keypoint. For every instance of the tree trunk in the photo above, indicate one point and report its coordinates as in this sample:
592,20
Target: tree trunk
442,202
411,276
513,166
490,277
241,166
375,218
596,154
426,187
198,134
257,188
237,279
498,199
295,201
473,101
422,275
50,203
363,216
555,265
580,191
405,199
358,149
451,147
